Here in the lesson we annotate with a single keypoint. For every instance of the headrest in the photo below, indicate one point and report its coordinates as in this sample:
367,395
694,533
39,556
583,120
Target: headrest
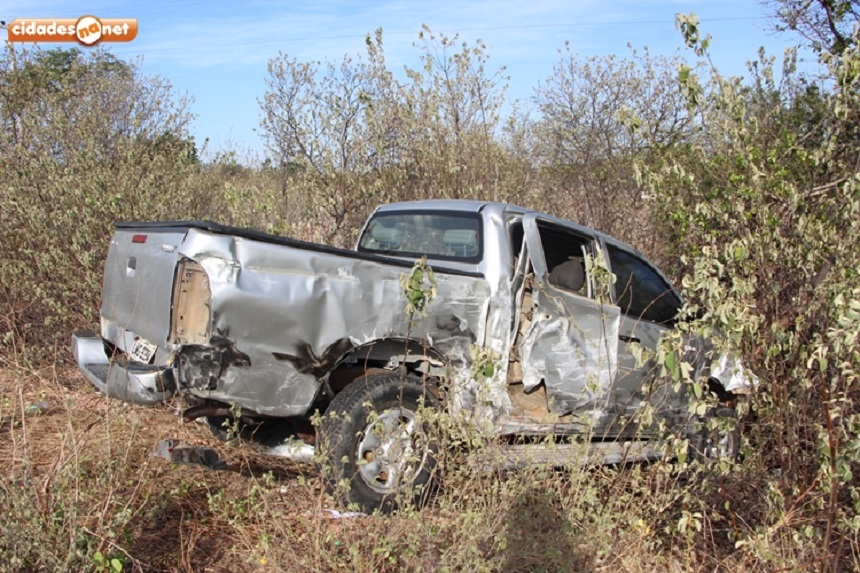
387,237
569,274
464,242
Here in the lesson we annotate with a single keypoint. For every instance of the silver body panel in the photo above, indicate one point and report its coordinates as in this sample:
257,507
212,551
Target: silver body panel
295,314
136,296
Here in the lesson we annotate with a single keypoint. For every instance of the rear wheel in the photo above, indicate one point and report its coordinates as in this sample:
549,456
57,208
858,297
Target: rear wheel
377,447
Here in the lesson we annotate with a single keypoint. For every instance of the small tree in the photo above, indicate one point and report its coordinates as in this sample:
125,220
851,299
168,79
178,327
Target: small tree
598,116
87,141
353,136
826,25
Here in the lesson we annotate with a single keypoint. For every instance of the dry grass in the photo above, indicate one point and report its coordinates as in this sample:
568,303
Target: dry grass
77,480
69,450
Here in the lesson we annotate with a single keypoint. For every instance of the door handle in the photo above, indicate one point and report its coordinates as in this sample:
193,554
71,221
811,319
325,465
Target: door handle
625,338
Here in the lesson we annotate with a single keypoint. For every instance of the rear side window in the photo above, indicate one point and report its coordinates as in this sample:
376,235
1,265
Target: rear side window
446,236
640,290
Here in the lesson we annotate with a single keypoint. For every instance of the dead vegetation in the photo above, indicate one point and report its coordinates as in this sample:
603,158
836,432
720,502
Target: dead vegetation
81,491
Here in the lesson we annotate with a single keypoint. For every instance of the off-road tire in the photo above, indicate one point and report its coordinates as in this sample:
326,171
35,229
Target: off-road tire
366,440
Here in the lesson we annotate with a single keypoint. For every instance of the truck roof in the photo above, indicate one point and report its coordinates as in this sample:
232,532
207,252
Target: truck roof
451,204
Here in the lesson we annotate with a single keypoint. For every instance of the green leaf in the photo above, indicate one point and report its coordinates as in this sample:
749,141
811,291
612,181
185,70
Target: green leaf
671,361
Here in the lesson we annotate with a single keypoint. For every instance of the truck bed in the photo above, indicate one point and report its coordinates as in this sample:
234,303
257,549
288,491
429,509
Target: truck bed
253,319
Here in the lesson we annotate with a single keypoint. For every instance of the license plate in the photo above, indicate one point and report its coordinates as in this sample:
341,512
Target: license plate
143,351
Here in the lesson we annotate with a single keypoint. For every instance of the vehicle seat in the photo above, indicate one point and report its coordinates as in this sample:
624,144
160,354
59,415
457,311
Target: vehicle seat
461,242
387,238
569,275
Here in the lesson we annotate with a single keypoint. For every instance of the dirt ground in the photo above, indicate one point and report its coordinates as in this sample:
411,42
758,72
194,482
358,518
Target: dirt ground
67,446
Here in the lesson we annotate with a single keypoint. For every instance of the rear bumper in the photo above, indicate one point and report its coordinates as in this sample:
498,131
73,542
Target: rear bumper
121,378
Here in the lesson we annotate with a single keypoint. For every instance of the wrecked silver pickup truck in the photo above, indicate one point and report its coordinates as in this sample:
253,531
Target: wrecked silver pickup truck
269,329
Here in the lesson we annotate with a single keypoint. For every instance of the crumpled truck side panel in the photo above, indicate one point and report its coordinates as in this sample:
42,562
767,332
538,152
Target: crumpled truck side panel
282,317
574,352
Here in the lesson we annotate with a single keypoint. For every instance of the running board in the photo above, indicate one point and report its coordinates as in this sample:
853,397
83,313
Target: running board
517,456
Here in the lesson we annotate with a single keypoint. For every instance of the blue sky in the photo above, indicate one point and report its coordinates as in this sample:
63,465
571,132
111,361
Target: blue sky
216,51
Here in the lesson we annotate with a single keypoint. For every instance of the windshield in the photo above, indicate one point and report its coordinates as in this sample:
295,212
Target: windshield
415,234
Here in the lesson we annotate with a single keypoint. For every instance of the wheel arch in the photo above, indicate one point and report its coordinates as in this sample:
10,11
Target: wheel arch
716,387
387,355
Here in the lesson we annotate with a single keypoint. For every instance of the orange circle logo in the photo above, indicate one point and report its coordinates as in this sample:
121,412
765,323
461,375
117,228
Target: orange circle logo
88,29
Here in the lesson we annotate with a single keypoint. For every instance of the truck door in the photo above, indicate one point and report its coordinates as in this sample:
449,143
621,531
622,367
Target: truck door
649,307
571,345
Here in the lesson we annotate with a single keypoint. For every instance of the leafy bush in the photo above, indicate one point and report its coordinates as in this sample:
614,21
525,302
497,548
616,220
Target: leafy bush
86,141
763,203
